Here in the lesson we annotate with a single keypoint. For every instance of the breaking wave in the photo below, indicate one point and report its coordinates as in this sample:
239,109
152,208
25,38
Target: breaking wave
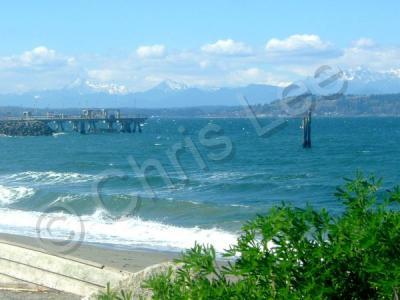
129,232
10,195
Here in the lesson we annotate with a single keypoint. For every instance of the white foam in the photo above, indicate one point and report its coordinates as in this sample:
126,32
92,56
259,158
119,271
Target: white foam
9,195
56,134
64,199
132,232
220,176
50,177
240,205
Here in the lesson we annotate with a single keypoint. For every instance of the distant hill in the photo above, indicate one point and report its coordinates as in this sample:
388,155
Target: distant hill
170,94
344,105
167,94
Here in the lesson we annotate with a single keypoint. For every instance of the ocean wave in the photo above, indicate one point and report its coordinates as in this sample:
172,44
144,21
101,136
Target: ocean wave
50,177
129,232
9,195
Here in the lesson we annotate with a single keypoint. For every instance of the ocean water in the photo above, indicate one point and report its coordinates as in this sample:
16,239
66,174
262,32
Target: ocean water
86,187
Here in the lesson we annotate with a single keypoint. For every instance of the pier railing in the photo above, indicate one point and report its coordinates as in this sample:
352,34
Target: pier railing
70,117
84,123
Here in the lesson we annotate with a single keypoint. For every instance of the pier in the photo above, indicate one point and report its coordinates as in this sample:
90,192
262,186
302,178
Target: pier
89,121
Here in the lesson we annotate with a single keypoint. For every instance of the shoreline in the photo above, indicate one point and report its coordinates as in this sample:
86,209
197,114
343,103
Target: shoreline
131,260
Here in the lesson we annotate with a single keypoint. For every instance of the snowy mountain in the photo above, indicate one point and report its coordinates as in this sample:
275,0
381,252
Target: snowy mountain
167,94
170,86
83,86
164,95
363,81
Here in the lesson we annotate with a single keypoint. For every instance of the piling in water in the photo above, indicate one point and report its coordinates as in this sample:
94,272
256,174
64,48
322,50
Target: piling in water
307,131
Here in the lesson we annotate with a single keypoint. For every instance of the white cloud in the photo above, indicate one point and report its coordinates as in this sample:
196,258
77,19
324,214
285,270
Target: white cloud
255,75
38,69
252,73
151,51
395,72
38,58
38,55
300,49
364,43
297,42
101,74
204,64
377,58
227,47
223,63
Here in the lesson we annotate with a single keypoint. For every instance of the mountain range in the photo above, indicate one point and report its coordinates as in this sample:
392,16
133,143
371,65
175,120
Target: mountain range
168,94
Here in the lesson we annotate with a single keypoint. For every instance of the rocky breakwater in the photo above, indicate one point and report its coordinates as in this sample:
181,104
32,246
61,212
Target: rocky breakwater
25,128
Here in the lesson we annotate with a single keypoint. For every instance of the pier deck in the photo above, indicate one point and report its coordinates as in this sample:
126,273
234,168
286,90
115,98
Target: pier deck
88,121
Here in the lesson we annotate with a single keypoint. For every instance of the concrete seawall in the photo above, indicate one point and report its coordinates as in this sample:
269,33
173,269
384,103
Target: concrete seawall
24,268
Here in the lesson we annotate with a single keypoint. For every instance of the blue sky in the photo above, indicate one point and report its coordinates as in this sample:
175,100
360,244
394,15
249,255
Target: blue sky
135,44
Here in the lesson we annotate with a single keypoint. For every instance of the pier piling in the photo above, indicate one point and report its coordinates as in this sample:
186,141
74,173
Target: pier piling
75,125
90,121
82,129
307,131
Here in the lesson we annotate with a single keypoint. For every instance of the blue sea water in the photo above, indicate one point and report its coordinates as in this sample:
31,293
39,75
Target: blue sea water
55,186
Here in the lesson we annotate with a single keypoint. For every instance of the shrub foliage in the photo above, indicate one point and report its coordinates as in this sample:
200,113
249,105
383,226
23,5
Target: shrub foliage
294,253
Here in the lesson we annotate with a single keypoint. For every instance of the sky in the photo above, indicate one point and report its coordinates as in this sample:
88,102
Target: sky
133,45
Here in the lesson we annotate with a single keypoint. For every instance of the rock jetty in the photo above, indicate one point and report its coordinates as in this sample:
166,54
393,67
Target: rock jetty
25,128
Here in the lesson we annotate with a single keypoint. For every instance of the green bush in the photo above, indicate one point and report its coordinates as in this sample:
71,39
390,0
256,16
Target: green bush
294,253
110,294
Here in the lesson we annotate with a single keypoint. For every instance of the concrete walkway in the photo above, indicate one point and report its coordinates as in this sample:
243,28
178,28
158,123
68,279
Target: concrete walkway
23,268
28,271
34,295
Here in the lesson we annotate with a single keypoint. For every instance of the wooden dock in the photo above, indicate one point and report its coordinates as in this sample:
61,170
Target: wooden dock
89,121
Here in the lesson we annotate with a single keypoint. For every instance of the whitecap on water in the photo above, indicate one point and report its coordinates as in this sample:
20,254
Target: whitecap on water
57,134
64,199
50,177
9,195
240,205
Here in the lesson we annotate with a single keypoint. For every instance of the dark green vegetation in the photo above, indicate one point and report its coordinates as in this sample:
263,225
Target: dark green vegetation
34,128
314,255
338,105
